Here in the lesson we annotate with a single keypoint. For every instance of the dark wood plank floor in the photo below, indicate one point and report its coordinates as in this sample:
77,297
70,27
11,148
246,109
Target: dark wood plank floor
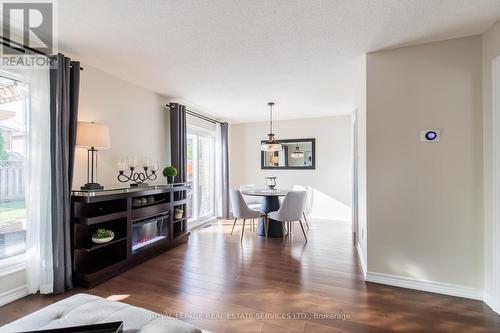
258,284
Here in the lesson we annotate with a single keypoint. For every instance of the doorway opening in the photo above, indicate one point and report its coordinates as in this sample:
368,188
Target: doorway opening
201,175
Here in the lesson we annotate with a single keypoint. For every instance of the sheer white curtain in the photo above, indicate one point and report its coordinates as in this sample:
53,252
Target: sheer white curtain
39,269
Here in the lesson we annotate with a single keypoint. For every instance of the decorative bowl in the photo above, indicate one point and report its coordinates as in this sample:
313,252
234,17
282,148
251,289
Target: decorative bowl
103,240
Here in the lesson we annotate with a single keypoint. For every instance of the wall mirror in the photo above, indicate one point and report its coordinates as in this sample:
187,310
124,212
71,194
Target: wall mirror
295,154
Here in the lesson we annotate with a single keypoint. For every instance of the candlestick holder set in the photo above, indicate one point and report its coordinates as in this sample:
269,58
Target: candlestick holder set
138,178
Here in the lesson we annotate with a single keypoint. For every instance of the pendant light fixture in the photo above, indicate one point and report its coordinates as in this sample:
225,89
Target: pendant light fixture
270,144
297,153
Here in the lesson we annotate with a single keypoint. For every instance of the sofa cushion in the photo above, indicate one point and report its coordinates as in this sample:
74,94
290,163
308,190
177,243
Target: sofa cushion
85,309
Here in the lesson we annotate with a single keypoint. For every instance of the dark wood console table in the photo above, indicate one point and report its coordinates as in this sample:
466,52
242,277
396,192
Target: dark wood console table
142,230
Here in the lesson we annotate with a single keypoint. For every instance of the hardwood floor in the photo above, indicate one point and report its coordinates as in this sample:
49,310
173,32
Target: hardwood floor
259,283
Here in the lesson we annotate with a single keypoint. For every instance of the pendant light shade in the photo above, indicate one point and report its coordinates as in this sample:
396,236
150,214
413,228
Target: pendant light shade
297,153
270,144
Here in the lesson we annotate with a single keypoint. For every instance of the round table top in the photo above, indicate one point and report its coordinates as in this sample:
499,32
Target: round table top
265,192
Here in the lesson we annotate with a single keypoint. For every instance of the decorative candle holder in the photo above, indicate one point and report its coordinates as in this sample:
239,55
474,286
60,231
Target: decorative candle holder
271,182
138,177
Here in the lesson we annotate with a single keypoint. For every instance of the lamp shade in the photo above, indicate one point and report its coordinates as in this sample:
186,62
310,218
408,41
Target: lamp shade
297,153
270,144
94,135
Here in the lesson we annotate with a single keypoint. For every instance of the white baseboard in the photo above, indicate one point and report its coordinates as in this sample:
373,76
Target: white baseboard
492,302
362,260
13,295
429,286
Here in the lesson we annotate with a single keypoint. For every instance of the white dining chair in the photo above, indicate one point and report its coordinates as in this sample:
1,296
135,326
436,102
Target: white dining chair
307,206
290,211
253,202
242,211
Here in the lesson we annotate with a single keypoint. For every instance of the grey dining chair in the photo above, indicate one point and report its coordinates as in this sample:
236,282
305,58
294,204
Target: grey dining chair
242,211
307,204
291,210
252,201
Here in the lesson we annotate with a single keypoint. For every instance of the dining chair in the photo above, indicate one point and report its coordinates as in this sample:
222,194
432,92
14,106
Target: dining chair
253,202
307,210
242,211
291,211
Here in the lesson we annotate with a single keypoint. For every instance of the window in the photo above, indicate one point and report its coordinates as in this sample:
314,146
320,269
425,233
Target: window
13,106
201,175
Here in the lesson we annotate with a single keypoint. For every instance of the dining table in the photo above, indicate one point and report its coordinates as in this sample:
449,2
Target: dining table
270,203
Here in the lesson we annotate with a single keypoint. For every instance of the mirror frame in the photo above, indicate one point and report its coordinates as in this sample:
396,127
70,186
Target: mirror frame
311,167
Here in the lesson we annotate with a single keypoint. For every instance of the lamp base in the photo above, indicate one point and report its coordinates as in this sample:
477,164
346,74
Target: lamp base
139,185
92,186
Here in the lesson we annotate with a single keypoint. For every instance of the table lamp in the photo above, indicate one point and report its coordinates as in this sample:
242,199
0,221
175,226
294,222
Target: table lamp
92,136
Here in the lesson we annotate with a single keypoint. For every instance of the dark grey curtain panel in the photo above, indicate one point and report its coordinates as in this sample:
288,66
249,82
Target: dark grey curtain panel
178,140
224,128
64,93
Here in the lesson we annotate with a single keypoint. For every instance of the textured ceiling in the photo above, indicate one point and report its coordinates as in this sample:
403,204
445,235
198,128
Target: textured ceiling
228,58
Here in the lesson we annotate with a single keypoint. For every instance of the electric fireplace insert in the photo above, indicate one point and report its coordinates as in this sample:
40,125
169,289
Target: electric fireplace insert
149,231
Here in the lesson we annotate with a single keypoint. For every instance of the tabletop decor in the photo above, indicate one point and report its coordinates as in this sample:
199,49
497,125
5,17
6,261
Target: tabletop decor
145,201
137,177
271,182
102,236
170,172
178,213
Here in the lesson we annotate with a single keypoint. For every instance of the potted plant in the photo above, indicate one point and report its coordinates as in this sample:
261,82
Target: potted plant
178,213
170,172
102,236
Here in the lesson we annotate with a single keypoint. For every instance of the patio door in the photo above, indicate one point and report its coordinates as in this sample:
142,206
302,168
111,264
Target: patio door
13,129
201,175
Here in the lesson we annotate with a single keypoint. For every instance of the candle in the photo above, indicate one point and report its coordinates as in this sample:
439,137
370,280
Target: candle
121,166
146,162
132,162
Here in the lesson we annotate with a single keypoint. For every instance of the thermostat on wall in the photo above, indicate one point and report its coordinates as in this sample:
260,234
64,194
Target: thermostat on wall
430,135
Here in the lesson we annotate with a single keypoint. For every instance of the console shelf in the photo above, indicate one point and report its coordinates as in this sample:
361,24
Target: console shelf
114,210
148,211
181,219
100,219
94,247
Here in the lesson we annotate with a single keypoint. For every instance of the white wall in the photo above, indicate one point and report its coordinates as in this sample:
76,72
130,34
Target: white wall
138,123
331,180
491,50
13,280
425,200
361,214
12,286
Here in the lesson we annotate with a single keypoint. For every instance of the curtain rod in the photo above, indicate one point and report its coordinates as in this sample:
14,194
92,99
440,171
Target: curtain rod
23,48
199,115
